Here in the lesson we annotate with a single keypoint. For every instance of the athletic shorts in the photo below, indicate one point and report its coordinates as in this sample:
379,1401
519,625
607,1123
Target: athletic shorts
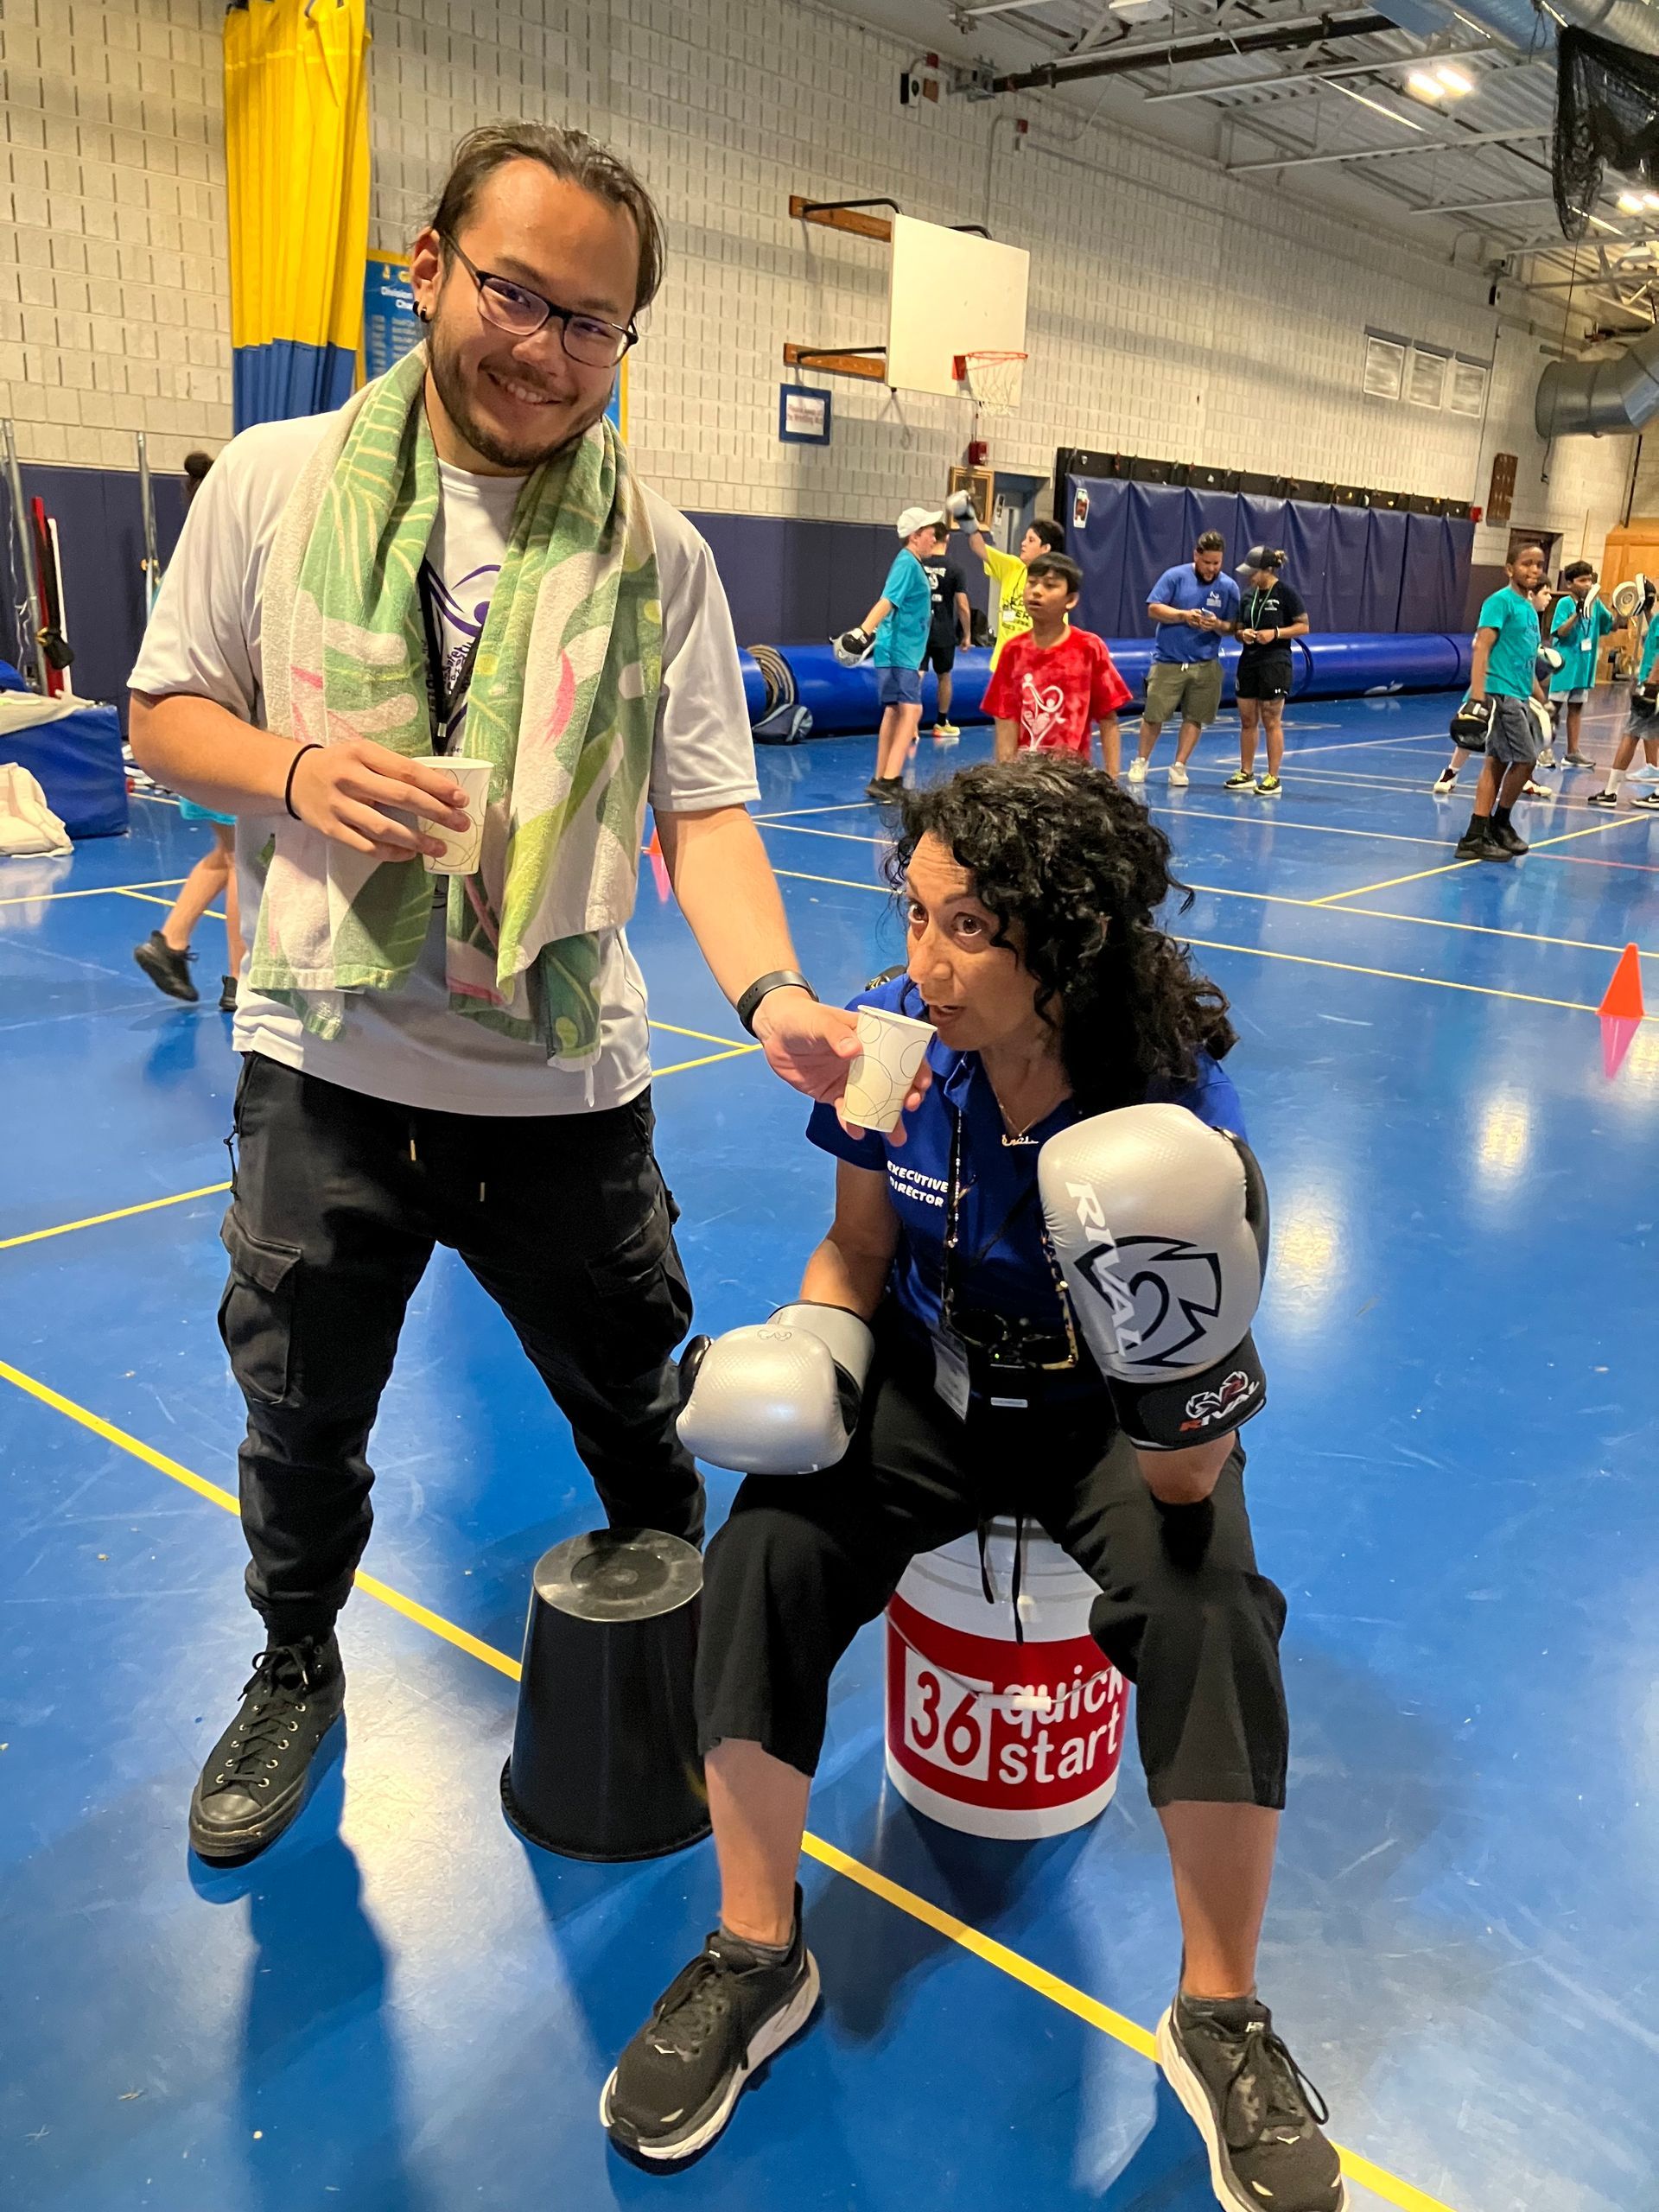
1262,676
1191,688
1514,735
941,655
898,687
1568,699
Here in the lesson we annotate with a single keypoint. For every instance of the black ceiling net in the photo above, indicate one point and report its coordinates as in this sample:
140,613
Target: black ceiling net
1606,114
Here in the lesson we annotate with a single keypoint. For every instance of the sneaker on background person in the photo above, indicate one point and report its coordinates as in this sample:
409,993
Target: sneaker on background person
1240,781
1445,784
1259,2115
168,967
1267,786
1178,776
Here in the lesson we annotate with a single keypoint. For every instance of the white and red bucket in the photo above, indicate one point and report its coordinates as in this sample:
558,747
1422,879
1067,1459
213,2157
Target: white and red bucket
988,1734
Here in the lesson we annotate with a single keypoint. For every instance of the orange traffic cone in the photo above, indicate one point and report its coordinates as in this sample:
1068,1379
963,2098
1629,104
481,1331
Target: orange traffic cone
1621,1011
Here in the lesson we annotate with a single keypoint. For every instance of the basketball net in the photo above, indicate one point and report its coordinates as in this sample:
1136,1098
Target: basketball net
991,380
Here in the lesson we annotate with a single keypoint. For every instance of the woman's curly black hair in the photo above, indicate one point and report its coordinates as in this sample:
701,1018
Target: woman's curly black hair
1056,850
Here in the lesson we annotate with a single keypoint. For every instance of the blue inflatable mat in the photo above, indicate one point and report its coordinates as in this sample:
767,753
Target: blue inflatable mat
76,761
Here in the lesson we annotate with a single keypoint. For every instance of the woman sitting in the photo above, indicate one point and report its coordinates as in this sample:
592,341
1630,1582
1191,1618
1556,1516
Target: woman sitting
1040,1305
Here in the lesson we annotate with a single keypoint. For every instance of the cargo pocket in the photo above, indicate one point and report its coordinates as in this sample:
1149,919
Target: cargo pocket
256,1315
644,1298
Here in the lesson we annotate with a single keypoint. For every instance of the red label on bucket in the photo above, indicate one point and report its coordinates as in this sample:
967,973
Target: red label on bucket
1021,1727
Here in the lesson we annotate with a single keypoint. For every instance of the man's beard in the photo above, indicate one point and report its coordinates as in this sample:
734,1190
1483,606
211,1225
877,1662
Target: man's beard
444,362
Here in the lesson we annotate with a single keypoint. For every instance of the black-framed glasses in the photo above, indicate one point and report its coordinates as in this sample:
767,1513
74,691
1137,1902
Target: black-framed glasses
513,307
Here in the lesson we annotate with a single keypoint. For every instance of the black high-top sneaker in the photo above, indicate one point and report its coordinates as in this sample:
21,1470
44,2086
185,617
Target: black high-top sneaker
254,1783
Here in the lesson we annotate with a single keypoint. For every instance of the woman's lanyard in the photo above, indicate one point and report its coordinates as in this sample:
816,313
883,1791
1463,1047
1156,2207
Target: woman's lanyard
1255,622
952,1272
443,702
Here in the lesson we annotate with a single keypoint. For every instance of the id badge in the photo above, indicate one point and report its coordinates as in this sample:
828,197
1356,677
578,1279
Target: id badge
950,1382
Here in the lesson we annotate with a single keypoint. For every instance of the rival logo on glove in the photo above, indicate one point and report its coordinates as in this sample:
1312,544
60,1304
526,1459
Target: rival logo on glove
1205,1408
1184,1281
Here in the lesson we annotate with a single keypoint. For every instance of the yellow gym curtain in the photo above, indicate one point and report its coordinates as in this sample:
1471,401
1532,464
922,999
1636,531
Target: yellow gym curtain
296,148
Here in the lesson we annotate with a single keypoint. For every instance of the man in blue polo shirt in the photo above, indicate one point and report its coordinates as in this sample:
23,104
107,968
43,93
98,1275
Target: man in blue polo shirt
1194,607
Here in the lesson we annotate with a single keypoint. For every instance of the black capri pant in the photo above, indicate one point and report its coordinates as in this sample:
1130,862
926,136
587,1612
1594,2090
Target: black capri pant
804,1562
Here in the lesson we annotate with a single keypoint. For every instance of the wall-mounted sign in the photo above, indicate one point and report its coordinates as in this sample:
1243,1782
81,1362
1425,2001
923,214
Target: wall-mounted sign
803,416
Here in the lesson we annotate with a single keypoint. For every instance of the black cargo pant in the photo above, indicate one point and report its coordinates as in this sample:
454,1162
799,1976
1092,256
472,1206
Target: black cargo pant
337,1203
804,1561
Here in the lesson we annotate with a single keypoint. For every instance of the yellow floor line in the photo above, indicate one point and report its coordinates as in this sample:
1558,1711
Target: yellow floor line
121,1213
1019,1969
707,1060
209,913
92,891
1541,845
1393,976
702,1036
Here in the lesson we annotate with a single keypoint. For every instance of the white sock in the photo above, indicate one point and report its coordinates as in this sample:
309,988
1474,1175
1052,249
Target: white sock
1615,778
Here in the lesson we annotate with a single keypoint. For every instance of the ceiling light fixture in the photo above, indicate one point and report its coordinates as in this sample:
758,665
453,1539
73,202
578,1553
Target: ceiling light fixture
1454,81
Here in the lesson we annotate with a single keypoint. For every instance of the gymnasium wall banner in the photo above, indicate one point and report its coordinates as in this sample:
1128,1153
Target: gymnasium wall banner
391,328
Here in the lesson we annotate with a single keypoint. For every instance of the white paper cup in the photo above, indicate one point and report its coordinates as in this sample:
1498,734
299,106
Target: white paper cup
879,1080
463,848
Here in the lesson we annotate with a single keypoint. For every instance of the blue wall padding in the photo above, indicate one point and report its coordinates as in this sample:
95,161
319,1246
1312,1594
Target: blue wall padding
842,700
76,763
1357,568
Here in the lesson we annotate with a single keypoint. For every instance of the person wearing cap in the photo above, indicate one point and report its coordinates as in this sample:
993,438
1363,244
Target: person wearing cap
898,624
1194,607
1269,616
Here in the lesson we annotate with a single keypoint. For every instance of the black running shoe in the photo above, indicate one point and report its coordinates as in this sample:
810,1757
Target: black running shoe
168,970
673,2088
1608,799
227,995
254,1783
1259,2115
1646,803
1472,846
1241,782
1505,834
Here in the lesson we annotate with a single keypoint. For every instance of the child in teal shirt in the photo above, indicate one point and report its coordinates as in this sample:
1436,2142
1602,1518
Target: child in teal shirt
1505,676
1639,729
1580,623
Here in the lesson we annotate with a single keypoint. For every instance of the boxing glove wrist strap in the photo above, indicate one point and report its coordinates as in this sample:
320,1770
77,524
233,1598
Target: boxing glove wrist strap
780,979
1169,1416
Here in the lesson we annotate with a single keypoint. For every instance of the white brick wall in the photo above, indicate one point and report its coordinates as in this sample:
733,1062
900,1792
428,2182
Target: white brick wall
1173,312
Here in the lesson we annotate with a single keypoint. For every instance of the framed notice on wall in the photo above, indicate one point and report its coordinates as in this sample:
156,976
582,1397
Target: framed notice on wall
803,415
1500,499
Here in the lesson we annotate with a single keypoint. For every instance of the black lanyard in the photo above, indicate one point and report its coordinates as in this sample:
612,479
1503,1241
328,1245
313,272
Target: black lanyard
442,700
952,1216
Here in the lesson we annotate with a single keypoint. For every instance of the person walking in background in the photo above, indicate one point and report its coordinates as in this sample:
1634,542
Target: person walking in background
895,631
1580,623
1268,620
1194,607
165,955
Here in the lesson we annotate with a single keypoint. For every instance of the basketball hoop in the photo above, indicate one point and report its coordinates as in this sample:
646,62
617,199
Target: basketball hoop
992,380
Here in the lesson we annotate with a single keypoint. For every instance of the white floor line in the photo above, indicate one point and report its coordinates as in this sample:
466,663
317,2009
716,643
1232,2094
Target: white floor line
843,837
851,806
1276,821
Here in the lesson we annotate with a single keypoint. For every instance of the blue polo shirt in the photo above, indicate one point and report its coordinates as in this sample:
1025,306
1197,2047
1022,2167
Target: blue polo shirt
1513,657
1185,589
1577,633
901,639
998,1197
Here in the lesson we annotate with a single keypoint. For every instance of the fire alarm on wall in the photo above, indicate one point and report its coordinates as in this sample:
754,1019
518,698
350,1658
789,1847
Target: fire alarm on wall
920,81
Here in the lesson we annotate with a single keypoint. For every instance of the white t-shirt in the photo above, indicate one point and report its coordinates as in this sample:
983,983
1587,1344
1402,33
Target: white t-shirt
204,638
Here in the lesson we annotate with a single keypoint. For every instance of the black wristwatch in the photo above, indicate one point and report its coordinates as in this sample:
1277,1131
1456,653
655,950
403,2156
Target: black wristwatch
781,979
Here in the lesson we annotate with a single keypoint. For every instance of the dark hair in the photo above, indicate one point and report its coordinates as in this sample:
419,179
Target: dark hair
1057,564
1527,545
196,465
1211,541
1051,533
1055,847
571,155
1575,569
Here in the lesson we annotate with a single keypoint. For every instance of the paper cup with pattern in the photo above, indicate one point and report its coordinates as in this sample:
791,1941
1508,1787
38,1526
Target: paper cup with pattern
879,1080
463,848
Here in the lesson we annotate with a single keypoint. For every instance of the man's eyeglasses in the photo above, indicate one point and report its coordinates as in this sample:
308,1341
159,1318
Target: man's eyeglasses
511,307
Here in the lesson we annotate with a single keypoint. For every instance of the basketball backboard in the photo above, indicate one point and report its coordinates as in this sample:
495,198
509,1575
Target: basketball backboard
951,293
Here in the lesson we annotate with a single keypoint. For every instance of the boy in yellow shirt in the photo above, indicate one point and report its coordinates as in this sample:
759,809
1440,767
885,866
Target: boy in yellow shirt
1006,570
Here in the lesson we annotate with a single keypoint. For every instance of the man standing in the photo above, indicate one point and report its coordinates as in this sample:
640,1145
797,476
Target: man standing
1268,620
461,560
952,626
1194,607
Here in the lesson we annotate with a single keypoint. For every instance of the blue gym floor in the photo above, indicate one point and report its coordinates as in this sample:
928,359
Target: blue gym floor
406,2009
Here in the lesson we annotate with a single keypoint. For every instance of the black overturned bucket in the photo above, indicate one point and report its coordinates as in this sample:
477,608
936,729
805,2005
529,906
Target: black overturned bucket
605,1761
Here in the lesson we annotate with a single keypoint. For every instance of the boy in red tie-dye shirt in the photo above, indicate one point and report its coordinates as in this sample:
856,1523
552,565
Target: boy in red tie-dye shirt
1050,685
